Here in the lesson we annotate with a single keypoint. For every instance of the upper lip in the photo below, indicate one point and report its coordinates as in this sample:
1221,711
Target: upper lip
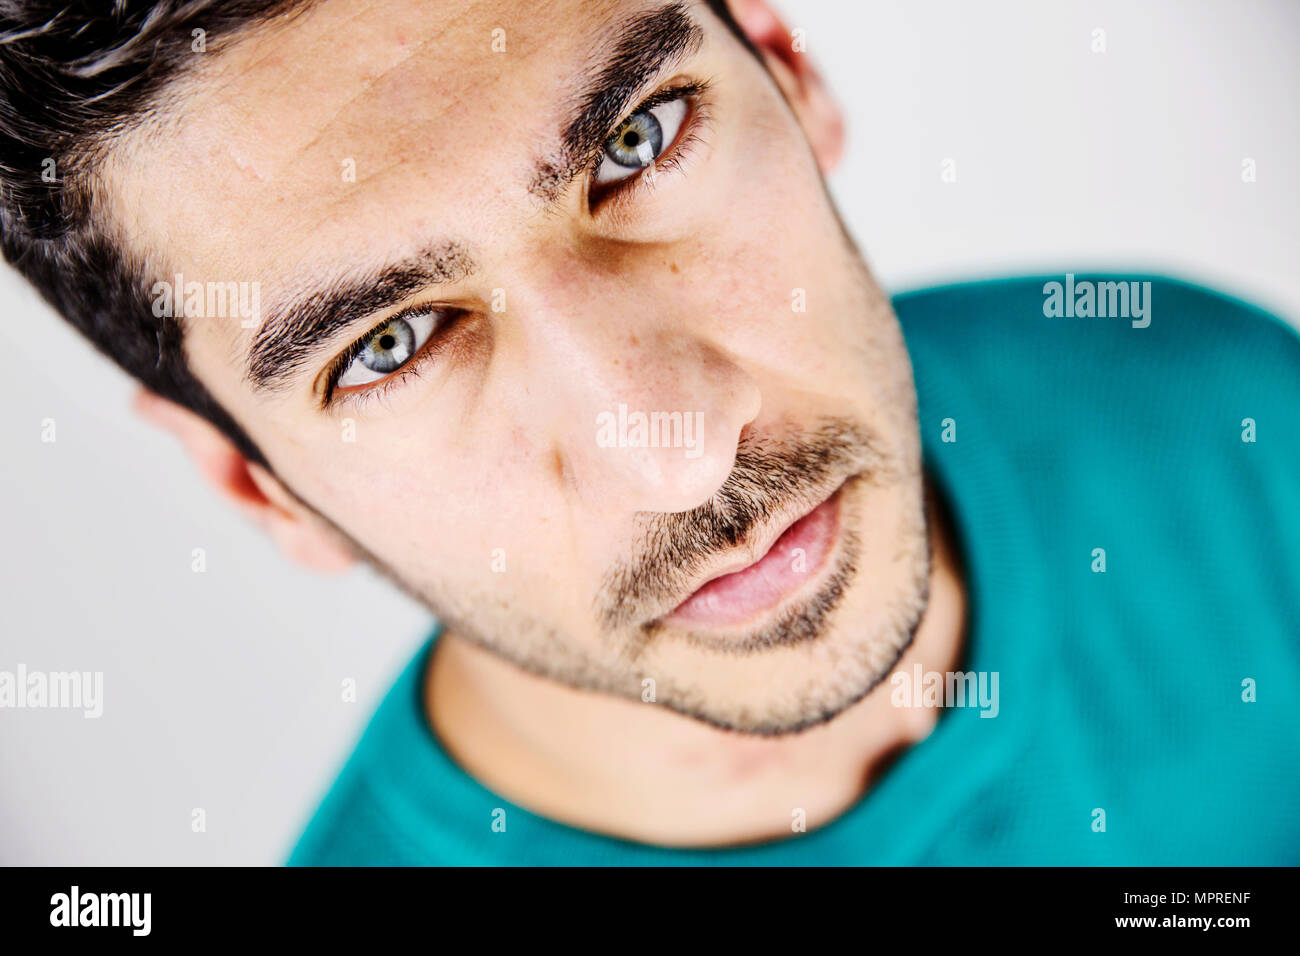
757,545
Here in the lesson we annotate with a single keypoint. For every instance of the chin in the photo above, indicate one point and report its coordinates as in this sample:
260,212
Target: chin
826,646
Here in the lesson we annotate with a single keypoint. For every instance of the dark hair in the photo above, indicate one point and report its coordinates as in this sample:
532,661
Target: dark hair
72,77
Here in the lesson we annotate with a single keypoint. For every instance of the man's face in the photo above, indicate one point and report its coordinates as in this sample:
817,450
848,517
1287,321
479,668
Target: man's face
552,389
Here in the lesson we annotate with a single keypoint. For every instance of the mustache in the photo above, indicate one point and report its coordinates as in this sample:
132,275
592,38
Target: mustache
770,477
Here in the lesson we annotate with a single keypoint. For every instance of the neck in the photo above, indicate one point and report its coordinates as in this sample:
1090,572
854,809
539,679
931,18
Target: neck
642,773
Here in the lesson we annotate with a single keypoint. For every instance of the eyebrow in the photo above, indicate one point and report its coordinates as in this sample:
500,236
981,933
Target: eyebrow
294,331
297,329
647,45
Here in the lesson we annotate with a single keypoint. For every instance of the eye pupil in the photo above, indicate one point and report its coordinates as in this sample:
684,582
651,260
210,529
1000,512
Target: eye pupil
389,349
638,143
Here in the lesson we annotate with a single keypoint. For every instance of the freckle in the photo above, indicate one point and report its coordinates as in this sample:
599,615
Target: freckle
635,340
673,266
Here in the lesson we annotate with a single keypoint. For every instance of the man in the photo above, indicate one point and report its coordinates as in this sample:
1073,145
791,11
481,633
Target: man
546,312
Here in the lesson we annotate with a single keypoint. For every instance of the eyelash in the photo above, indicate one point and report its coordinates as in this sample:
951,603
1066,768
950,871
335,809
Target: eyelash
696,123
364,394
615,195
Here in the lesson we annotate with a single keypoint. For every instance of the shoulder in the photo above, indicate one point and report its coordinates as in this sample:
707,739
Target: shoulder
1098,339
345,830
361,819
1093,307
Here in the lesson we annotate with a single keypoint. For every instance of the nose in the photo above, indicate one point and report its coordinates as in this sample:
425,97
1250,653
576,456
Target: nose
642,409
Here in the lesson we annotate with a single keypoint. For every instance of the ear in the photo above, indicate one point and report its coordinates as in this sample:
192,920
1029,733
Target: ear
300,533
798,80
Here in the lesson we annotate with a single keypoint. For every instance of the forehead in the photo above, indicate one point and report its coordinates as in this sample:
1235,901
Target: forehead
304,140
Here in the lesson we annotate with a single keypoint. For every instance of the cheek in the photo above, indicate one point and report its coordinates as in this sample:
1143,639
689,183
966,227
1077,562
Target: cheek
390,482
781,286
769,243
775,275
444,513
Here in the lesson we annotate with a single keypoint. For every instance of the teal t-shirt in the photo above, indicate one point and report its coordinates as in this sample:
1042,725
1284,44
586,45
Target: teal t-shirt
1162,691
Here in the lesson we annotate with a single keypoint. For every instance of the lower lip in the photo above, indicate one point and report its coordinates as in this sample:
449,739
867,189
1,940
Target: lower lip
736,598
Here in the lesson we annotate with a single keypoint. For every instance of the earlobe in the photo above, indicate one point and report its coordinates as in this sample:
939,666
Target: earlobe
217,459
261,497
798,79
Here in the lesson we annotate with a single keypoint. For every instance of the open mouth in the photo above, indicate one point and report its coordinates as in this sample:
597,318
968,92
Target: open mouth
793,560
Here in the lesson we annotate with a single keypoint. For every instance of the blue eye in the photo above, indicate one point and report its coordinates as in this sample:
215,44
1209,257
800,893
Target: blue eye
640,140
389,347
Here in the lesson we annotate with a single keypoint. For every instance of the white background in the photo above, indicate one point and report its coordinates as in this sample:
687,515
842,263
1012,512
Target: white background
222,689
